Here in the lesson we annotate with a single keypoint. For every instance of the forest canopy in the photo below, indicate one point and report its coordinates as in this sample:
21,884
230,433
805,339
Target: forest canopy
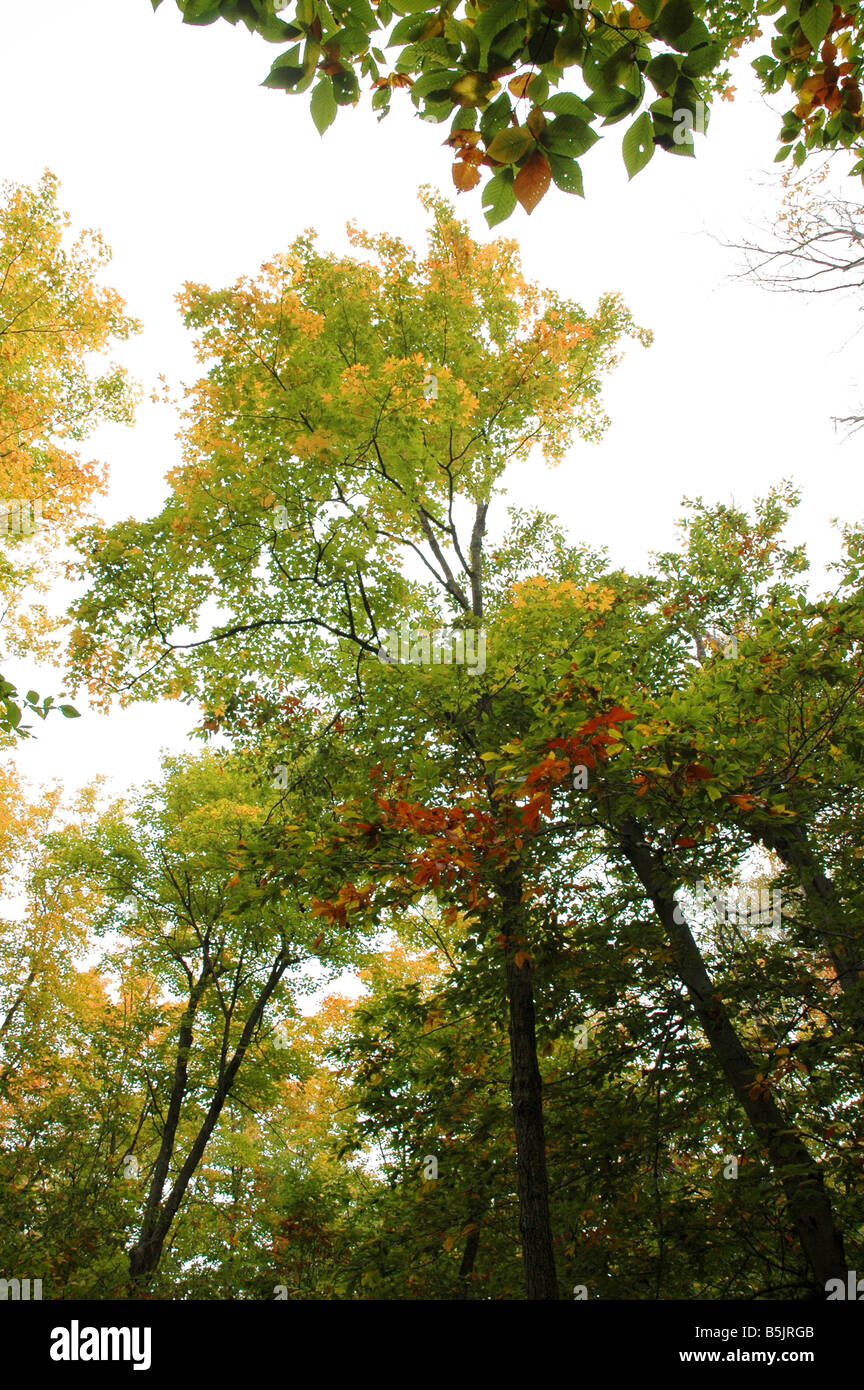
589,838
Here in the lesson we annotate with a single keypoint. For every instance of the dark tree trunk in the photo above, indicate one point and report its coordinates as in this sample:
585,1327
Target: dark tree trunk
809,1205
466,1269
526,1092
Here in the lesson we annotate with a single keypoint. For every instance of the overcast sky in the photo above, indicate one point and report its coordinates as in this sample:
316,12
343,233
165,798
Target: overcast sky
162,137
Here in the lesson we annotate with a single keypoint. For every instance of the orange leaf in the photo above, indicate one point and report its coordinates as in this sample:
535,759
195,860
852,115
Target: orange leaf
519,85
465,175
532,181
458,138
520,958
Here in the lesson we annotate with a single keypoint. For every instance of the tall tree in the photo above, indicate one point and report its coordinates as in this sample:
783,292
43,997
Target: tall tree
358,411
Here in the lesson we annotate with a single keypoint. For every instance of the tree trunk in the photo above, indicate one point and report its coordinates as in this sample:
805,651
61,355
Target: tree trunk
145,1255
802,1182
840,937
466,1269
526,1092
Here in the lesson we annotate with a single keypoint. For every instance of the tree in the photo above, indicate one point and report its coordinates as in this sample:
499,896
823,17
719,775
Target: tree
54,316
604,762
201,958
814,249
336,459
532,130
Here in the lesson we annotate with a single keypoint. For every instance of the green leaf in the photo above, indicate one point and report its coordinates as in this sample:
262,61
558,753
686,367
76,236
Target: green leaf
322,104
568,135
568,104
702,60
495,117
346,88
815,21
680,27
436,83
783,153
637,146
566,174
436,111
538,89
675,19
286,72
465,118
510,145
409,29
32,697
568,49
662,71
200,11
491,22
499,200
69,712
614,105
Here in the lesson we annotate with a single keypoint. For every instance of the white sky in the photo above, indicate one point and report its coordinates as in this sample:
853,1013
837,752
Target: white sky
163,138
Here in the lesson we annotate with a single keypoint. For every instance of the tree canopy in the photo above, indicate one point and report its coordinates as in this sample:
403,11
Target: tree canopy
520,853
56,322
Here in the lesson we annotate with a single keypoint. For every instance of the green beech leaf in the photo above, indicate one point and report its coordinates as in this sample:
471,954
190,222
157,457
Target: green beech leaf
510,145
499,199
815,21
322,104
637,146
566,174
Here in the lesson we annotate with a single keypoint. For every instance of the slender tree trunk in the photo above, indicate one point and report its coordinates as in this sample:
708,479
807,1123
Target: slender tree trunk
145,1255
841,937
466,1269
809,1205
526,1092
